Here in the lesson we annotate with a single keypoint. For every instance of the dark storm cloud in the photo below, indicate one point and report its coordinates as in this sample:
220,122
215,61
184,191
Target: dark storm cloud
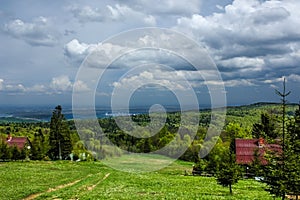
250,39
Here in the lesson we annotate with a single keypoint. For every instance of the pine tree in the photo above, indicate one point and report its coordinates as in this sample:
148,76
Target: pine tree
59,138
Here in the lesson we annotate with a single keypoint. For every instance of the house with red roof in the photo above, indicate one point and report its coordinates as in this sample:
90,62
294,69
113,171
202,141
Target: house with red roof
19,142
245,150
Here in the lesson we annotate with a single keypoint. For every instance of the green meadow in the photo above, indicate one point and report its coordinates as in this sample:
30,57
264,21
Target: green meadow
94,180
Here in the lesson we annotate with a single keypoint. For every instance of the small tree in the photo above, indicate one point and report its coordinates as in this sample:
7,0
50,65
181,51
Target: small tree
229,172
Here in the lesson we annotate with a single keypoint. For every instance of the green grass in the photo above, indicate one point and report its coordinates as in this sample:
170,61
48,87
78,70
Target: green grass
93,180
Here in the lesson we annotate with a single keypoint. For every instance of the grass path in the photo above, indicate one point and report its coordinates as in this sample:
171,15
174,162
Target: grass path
73,190
33,196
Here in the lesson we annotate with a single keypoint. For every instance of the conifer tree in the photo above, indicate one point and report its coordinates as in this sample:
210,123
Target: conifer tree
293,155
59,138
282,173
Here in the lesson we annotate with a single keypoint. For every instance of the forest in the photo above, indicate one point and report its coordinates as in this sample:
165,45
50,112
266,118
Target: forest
59,140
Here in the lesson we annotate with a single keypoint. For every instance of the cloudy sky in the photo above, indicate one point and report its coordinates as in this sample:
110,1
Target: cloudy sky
254,44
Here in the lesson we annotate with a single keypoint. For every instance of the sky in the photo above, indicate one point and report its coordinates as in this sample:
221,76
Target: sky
253,43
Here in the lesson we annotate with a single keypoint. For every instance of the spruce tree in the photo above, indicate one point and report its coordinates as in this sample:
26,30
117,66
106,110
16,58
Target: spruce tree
293,155
59,138
282,173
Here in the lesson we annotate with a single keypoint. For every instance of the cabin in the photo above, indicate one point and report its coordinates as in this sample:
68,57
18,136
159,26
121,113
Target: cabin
245,150
19,142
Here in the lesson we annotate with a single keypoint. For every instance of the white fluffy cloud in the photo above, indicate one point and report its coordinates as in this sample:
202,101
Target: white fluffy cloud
87,13
36,33
61,83
77,51
57,85
80,86
15,88
243,63
289,78
159,78
38,88
11,88
294,77
108,13
123,12
20,88
167,7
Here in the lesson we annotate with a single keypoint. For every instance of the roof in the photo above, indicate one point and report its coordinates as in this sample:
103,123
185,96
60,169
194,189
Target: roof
20,142
245,150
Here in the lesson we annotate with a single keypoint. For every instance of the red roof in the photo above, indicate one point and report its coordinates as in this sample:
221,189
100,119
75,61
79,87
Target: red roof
17,141
245,150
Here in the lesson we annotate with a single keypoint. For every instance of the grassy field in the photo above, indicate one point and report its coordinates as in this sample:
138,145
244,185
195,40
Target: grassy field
93,180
